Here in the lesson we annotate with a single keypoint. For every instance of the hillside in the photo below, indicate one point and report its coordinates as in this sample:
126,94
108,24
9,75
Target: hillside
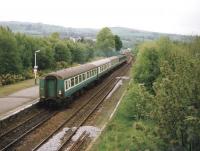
128,36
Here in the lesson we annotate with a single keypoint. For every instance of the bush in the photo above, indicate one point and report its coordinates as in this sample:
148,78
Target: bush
61,65
28,74
138,103
10,78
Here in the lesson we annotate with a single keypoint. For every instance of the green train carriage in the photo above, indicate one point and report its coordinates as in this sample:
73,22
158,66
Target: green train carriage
58,86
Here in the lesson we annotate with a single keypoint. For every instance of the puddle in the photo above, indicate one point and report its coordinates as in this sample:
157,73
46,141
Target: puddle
91,130
54,143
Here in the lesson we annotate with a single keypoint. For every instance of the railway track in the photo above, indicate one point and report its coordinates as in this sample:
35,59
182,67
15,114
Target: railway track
78,118
14,135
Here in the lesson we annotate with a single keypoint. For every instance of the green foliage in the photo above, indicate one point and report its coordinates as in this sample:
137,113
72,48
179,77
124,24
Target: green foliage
118,43
138,103
9,55
171,70
105,41
17,53
177,98
6,79
129,130
147,65
61,65
168,118
62,52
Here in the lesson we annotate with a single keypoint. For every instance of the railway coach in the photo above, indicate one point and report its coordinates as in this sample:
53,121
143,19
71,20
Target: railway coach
61,85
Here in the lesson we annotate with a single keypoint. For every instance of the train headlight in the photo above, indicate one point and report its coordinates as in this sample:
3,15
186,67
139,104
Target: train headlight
59,92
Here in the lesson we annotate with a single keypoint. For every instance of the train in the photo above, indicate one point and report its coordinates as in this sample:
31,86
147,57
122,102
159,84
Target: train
61,85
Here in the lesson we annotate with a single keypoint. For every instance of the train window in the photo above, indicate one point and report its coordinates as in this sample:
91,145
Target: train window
72,82
66,85
83,76
88,75
76,80
80,78
69,83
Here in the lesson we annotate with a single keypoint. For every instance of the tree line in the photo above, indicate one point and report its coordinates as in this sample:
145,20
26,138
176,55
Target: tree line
17,52
166,90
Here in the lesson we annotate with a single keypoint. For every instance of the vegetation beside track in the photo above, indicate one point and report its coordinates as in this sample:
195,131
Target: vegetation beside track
9,89
161,110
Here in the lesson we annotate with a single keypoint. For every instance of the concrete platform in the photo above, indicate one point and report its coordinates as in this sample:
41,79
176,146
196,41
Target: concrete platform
18,101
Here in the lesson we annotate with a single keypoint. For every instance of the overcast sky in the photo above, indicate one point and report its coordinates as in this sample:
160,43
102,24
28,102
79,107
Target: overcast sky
169,16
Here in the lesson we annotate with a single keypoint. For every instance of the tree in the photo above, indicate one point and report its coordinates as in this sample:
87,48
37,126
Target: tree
118,43
45,58
147,65
24,45
62,52
10,61
105,41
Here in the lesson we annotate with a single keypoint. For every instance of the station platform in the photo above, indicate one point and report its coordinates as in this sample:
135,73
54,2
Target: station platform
18,101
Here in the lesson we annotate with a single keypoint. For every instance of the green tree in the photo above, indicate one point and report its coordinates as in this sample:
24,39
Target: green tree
105,41
147,65
10,61
24,44
62,52
45,58
118,43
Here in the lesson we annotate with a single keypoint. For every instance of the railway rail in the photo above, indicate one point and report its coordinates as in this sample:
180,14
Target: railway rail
79,117
11,137
14,135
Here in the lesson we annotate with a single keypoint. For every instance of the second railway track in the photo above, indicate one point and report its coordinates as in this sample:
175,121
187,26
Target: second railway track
14,135
9,138
84,112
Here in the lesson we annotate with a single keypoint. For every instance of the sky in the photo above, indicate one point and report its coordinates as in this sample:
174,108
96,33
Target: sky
167,16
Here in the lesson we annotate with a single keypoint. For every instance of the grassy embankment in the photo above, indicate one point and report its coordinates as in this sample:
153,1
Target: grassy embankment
126,133
8,89
161,110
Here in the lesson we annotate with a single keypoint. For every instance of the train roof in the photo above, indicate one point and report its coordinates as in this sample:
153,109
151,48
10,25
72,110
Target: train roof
100,62
70,72
114,57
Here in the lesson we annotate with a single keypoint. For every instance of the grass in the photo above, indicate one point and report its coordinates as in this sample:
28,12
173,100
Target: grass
125,134
8,89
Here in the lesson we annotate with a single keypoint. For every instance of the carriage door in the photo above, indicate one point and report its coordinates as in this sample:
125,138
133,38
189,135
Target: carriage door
51,87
